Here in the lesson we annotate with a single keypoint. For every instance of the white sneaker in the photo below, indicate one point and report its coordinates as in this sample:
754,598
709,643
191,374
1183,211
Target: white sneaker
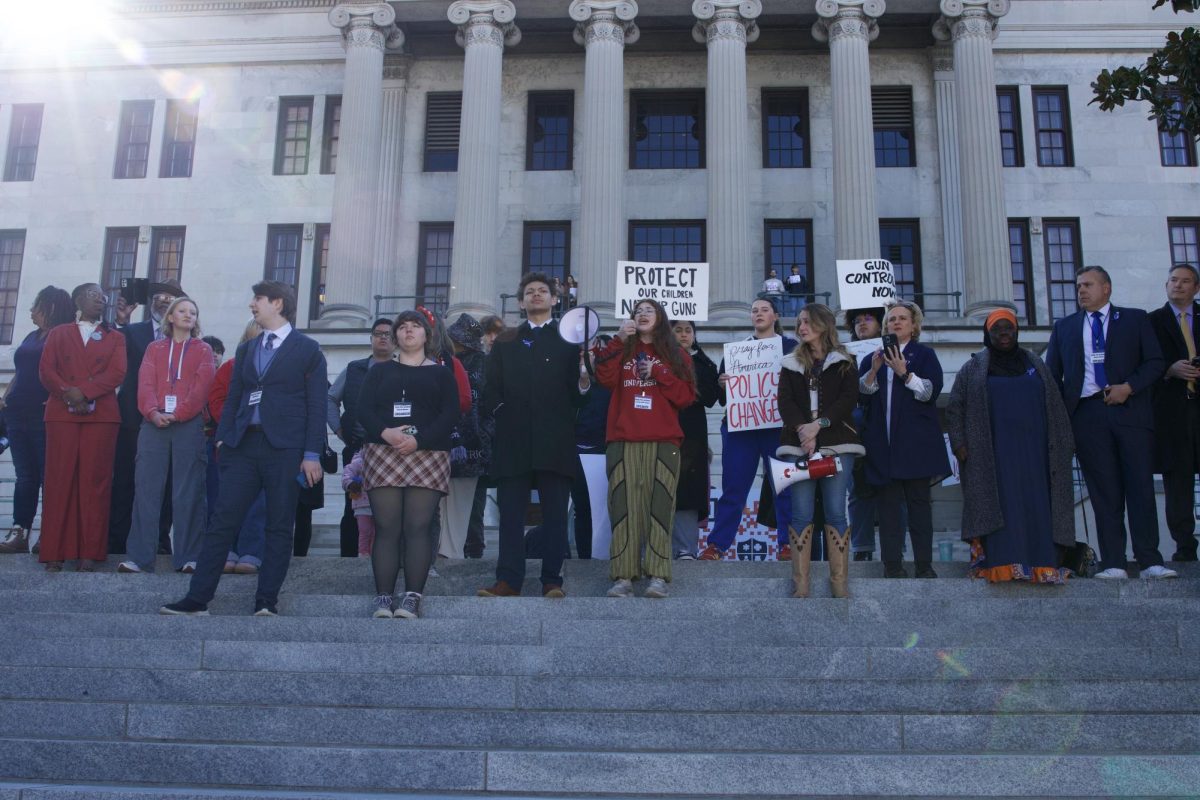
128,566
622,588
657,588
1113,574
1158,572
188,568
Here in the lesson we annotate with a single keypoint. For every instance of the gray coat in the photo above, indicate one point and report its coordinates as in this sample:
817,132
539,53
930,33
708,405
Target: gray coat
968,421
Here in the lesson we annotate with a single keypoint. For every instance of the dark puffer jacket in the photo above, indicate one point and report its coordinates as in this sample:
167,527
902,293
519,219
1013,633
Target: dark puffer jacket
837,396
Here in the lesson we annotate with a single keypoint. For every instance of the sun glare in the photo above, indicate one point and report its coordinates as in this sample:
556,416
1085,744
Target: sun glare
24,26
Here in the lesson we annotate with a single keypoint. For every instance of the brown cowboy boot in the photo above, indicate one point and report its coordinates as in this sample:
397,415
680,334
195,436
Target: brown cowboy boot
837,550
801,559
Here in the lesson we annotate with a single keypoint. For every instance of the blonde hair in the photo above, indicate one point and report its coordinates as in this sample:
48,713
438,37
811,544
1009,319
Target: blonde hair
822,320
914,309
252,329
168,328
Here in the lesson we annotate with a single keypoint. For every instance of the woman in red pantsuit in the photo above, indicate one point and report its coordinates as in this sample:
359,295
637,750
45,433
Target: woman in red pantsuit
82,365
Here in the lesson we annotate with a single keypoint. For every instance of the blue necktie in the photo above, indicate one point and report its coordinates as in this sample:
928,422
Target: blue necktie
272,337
1098,347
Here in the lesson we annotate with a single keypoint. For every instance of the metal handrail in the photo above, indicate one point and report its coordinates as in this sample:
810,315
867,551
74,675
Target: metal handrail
954,306
784,300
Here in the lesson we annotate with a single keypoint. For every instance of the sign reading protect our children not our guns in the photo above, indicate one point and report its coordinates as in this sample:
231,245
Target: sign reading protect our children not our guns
865,284
752,392
682,289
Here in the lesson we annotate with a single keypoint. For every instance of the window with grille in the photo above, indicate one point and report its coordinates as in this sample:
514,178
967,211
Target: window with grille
900,243
1185,241
179,140
892,118
548,249
549,136
1176,149
667,130
120,258
12,254
329,137
1022,269
320,270
24,134
436,244
788,242
1063,258
133,139
785,128
443,115
1008,107
667,241
293,132
283,254
1052,122
166,254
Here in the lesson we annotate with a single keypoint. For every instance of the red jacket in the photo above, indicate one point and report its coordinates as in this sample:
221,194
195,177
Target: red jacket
218,392
189,383
666,393
96,370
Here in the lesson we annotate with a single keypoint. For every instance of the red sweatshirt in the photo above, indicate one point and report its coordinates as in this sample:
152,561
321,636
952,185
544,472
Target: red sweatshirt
642,411
189,382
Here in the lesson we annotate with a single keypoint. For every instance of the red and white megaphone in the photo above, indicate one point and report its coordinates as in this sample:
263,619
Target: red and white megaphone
794,466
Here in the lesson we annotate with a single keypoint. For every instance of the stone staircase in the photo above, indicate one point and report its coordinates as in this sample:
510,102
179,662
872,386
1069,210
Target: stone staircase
946,688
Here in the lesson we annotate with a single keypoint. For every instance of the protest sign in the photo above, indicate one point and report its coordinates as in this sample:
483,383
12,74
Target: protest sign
863,349
865,284
753,388
682,289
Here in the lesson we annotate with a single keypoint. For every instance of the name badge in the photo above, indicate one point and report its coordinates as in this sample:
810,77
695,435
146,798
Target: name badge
401,409
643,402
1098,358
169,404
256,397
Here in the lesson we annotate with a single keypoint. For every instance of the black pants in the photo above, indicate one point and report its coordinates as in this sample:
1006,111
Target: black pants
1180,483
914,493
513,496
475,541
583,512
348,527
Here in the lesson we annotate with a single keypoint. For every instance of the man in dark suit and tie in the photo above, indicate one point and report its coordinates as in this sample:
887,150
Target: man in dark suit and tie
270,439
1106,361
1177,406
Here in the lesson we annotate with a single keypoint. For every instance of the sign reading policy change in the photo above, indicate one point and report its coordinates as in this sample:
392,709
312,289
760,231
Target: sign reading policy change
681,288
752,393
866,284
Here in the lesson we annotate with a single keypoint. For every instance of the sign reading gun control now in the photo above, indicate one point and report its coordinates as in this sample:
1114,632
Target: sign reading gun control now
681,288
865,284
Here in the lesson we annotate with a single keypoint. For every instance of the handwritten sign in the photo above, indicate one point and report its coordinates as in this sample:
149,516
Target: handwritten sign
865,284
863,349
753,389
681,288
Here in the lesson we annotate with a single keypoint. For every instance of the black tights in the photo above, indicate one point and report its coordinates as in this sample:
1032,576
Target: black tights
402,514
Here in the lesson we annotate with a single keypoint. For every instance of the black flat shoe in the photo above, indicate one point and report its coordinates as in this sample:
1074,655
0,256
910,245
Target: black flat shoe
894,569
864,556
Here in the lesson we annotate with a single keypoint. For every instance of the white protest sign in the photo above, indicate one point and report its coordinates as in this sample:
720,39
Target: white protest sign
682,289
863,349
753,389
866,284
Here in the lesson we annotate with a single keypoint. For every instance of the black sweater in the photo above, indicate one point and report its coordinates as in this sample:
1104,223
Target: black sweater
431,390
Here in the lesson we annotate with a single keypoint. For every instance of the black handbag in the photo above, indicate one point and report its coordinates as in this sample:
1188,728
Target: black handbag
329,461
1080,559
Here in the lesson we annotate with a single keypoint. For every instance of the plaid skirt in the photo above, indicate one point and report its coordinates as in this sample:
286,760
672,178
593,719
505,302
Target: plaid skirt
384,466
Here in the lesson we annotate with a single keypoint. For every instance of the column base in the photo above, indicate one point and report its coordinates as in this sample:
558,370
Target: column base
733,313
345,316
978,311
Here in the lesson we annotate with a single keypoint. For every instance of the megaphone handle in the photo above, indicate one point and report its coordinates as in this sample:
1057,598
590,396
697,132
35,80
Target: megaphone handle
587,360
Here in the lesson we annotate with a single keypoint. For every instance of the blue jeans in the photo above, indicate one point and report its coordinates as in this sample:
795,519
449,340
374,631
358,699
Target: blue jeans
833,498
252,538
28,443
742,452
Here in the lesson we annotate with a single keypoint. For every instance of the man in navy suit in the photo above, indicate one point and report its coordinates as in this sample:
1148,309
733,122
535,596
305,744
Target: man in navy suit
1177,406
270,439
1106,361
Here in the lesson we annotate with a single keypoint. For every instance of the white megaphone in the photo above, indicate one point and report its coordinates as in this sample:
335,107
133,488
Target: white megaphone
794,466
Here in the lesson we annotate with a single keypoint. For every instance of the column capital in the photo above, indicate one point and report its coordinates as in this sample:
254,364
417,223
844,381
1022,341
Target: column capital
367,25
726,19
604,21
969,18
485,22
853,18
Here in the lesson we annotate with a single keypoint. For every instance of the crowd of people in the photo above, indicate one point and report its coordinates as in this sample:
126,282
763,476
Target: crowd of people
142,440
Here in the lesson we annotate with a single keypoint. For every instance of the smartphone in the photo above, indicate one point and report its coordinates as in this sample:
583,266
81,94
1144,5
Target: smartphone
135,290
1196,361
890,342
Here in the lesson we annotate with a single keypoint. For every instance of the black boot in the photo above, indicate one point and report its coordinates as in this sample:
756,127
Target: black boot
894,569
925,569
863,556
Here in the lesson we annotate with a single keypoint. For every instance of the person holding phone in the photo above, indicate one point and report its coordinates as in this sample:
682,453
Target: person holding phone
906,451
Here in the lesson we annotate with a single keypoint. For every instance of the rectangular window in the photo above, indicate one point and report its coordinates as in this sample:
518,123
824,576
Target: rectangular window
179,140
668,241
329,137
1063,258
1052,121
548,248
667,130
1022,268
549,137
320,269
283,254
166,254
1185,241
1176,149
892,118
12,253
1008,107
443,115
900,243
133,139
433,265
785,128
789,243
24,134
120,258
293,130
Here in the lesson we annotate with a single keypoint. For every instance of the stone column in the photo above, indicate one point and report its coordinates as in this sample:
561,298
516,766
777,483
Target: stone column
484,28
603,27
367,28
388,265
849,26
947,138
971,25
727,26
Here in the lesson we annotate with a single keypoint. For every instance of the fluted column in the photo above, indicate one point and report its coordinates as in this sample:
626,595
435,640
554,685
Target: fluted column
947,138
603,27
367,29
988,274
727,26
388,262
849,26
484,28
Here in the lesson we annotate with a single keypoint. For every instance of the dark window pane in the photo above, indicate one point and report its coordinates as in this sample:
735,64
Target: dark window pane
1009,112
133,138
12,254
785,128
24,134
892,119
320,270
443,115
166,254
283,253
899,243
668,130
1063,258
433,265
292,134
333,129
1176,149
667,242
1185,241
120,258
548,248
179,140
1022,274
1052,124
549,139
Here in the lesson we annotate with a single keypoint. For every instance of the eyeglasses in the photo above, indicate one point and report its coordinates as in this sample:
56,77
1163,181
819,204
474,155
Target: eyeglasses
381,335
644,312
